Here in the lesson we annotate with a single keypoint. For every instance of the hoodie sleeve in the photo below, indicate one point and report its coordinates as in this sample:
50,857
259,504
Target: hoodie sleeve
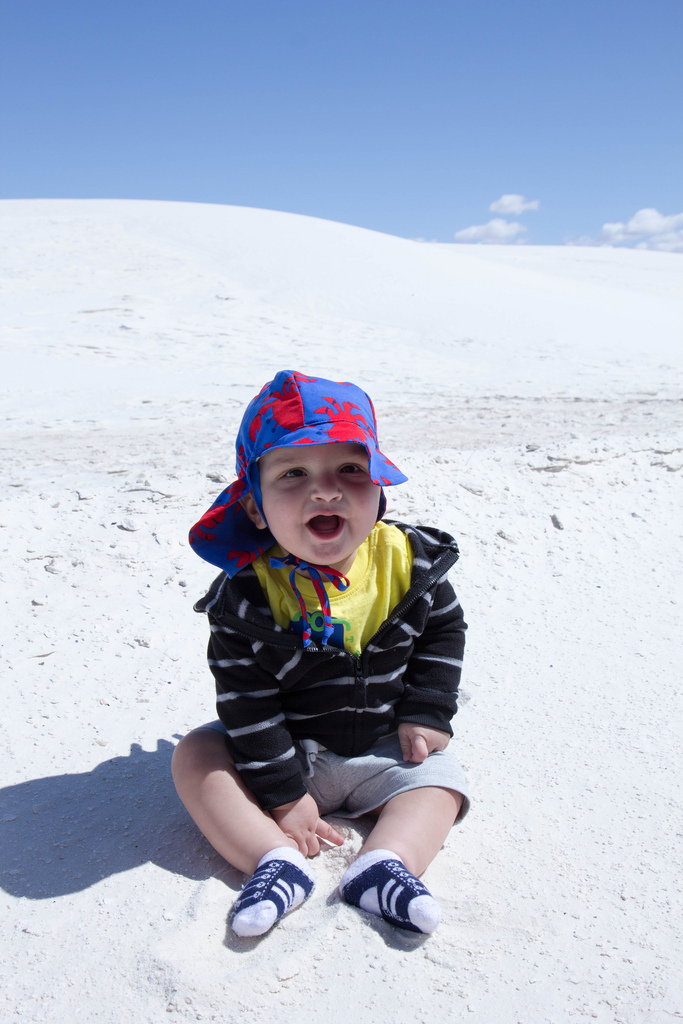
248,705
432,676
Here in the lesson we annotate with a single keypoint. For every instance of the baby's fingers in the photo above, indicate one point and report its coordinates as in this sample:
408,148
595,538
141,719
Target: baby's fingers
305,842
325,831
420,749
312,847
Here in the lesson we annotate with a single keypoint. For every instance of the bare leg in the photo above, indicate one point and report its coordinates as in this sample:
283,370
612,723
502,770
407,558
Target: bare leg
414,825
221,805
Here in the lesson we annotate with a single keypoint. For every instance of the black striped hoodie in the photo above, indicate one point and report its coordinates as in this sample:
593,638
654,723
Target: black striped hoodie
272,691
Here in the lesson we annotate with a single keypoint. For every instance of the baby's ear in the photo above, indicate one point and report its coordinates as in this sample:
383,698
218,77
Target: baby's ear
249,505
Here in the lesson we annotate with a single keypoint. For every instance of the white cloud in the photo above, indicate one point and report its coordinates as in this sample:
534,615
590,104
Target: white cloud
647,229
513,204
496,232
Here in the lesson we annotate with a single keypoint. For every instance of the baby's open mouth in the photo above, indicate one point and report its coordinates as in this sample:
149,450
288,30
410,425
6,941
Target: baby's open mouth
324,526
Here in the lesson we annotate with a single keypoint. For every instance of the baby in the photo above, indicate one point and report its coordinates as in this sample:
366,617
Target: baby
336,645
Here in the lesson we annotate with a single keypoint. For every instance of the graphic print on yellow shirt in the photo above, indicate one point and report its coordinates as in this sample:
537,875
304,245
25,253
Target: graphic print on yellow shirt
379,578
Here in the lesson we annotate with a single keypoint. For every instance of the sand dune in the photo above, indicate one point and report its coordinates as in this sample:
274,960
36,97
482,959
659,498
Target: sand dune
533,397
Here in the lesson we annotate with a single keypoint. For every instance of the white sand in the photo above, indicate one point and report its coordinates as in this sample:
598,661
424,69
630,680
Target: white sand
512,385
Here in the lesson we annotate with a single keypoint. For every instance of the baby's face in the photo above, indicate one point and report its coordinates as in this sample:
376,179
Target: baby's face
319,501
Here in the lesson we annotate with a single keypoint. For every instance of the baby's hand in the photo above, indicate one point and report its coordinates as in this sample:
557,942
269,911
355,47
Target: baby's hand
419,741
300,821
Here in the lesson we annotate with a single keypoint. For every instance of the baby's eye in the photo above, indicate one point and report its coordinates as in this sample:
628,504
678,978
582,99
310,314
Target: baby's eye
351,468
293,473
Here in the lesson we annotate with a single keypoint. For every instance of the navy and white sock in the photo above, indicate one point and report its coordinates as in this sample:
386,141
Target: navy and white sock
281,882
380,883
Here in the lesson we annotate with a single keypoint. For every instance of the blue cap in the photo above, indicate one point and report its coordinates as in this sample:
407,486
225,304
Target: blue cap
290,410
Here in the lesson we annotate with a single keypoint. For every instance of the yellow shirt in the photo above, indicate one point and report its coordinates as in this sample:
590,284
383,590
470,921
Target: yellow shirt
379,578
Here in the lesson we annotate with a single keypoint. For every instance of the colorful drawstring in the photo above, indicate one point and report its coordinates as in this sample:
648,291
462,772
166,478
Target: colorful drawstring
315,573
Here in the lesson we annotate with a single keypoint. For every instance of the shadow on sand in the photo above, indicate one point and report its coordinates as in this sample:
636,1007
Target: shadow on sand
63,833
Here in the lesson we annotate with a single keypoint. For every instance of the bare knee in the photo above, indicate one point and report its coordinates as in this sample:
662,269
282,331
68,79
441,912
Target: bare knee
200,752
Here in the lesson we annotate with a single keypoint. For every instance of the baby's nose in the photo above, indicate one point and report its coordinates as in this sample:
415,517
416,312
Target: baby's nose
326,487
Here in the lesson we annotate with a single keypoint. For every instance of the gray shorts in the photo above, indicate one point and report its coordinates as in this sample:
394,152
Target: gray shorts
351,786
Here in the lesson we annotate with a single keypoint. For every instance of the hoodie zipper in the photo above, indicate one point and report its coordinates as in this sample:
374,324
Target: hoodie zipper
435,574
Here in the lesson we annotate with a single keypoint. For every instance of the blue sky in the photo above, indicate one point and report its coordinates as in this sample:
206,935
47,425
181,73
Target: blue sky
405,116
